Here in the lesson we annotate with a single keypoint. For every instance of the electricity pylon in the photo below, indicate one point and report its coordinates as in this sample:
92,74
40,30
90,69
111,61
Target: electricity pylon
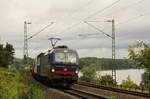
25,49
113,43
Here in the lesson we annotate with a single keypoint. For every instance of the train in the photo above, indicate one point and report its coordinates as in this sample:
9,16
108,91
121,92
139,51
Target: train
58,66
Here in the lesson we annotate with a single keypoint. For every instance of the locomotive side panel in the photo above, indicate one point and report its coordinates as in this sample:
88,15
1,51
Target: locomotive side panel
39,63
44,65
35,67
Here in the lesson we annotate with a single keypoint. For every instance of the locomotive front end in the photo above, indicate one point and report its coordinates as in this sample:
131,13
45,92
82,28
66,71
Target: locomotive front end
64,66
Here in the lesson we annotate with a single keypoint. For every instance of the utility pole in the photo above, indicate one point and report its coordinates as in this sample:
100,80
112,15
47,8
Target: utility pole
113,44
0,39
113,52
25,49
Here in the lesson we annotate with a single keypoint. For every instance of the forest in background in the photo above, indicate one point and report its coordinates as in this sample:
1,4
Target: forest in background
105,63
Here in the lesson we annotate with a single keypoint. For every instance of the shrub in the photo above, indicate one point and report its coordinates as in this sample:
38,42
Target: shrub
128,83
106,80
88,73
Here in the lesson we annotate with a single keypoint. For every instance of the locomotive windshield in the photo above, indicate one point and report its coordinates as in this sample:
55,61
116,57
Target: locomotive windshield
65,57
71,58
60,57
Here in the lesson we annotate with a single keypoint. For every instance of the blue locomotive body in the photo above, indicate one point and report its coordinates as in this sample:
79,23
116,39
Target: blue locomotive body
60,65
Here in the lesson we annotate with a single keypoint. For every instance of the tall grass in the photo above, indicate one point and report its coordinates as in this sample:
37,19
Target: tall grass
13,85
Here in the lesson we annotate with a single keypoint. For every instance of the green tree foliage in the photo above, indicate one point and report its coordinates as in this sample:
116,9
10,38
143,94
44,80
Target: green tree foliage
139,53
6,55
104,63
128,83
1,54
106,80
146,80
88,73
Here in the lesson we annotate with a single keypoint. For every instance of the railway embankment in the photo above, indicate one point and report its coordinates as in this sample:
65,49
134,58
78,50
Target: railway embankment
15,85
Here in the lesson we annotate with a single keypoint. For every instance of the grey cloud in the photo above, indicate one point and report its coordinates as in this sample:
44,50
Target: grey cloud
65,13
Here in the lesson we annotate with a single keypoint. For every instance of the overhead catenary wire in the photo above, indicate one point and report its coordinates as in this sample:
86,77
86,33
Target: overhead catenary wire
40,30
85,5
126,7
100,11
97,29
134,18
89,2
109,6
129,20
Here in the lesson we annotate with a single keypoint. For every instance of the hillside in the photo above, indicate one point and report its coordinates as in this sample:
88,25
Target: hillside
105,63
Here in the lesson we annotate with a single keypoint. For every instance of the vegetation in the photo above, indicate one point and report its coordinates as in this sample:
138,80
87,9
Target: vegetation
88,73
104,63
139,53
106,80
14,81
128,83
6,54
113,97
14,85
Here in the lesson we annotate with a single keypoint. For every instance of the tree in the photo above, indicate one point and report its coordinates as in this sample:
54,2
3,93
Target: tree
139,53
9,53
146,80
6,55
1,54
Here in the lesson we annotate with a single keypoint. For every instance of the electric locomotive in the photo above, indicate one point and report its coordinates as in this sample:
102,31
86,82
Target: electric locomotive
58,66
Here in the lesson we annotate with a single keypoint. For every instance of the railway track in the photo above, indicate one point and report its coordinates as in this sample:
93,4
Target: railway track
71,91
84,91
113,89
84,94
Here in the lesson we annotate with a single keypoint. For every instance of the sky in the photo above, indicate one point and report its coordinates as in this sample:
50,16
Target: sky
131,24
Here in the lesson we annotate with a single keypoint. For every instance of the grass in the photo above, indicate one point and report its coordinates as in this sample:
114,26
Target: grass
13,85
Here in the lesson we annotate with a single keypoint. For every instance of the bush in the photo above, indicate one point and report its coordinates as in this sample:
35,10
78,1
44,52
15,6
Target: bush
88,73
106,80
128,83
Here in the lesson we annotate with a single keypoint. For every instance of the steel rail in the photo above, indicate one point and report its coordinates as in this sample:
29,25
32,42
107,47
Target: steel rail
114,89
84,94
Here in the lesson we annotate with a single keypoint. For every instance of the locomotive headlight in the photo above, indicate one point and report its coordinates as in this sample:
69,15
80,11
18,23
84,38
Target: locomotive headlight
77,71
53,70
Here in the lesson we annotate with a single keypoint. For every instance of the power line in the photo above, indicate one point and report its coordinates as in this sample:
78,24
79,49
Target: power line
123,8
75,12
98,29
88,3
0,39
127,7
41,30
109,6
129,20
134,18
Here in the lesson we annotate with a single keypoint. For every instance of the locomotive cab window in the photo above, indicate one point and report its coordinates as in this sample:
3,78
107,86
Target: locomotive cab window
60,57
71,57
38,61
65,57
